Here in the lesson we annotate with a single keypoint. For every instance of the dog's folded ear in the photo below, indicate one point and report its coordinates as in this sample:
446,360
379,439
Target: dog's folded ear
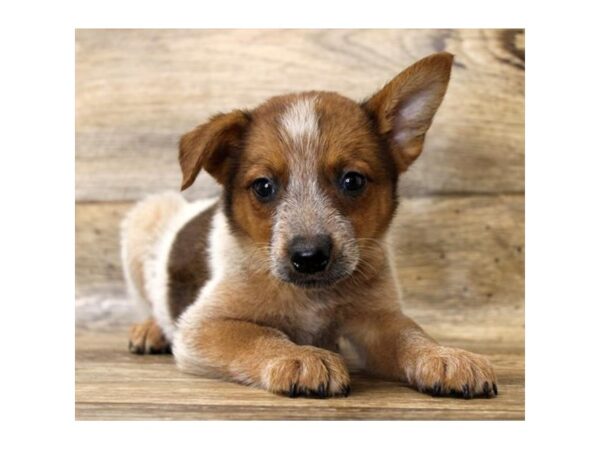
212,146
404,108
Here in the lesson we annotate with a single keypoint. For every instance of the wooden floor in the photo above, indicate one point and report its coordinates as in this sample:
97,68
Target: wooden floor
459,232
113,384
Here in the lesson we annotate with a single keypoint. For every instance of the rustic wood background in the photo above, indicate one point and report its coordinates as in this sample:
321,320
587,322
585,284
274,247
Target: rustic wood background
460,227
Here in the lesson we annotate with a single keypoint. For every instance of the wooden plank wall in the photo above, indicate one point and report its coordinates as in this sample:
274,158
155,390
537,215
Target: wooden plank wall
460,235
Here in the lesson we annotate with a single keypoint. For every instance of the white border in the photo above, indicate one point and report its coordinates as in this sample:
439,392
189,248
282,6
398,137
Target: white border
562,294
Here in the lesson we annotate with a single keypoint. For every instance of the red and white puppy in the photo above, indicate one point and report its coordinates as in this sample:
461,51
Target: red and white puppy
260,284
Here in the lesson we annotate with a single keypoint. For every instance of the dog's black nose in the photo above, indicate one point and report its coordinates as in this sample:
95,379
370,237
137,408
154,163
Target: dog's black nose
310,254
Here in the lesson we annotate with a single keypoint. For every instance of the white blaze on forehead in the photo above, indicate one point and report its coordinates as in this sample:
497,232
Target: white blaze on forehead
305,209
300,122
300,129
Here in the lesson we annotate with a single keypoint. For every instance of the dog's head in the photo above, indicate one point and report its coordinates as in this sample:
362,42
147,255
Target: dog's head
311,178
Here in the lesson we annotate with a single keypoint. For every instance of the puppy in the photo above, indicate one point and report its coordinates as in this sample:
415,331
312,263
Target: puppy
260,285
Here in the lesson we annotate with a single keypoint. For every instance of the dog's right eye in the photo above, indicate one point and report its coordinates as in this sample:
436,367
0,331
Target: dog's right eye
264,189
353,183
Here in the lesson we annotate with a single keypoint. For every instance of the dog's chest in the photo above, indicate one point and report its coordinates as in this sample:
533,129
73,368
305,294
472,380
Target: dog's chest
311,326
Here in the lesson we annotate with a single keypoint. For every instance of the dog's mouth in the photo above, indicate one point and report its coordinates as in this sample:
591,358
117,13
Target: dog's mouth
314,281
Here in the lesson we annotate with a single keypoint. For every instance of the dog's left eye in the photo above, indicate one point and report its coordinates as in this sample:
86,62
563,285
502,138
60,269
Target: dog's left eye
353,182
264,189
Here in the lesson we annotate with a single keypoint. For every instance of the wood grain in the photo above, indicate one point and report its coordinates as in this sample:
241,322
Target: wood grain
460,256
104,390
137,91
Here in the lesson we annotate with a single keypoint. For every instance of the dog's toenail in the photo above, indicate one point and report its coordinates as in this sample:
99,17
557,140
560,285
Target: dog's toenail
135,349
486,388
322,392
293,390
466,392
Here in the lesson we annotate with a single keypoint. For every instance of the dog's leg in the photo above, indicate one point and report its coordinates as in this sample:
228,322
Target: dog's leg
147,337
260,356
395,347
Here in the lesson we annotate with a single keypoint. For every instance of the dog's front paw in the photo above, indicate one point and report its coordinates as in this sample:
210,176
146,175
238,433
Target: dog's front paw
451,371
311,372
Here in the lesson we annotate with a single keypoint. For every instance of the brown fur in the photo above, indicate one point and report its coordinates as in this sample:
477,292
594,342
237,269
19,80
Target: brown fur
188,268
222,133
257,329
433,71
143,226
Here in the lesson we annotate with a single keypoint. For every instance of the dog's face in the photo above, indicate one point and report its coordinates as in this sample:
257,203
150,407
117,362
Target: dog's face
311,178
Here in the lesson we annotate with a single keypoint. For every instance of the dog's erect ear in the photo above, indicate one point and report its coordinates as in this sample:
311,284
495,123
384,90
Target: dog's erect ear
404,108
211,146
